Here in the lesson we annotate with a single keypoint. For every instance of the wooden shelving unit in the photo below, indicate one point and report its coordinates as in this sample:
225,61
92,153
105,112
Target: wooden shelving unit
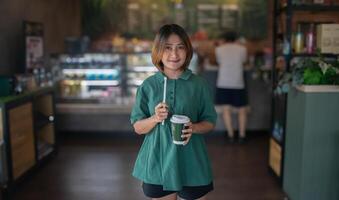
21,139
44,124
285,19
27,134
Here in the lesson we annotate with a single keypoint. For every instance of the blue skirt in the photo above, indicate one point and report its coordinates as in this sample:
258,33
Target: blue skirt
233,97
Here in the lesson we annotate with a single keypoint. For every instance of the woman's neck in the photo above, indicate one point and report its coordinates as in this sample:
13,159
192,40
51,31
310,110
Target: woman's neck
173,74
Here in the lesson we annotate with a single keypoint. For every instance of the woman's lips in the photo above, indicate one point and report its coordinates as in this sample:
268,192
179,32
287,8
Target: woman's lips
174,61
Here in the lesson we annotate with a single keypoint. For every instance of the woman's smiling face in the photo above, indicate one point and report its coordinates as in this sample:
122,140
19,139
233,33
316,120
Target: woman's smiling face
174,55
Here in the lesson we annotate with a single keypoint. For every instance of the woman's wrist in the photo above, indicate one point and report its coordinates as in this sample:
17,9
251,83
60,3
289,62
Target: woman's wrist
202,127
193,128
154,119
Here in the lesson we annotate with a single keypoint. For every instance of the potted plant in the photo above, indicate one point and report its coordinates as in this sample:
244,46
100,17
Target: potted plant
310,72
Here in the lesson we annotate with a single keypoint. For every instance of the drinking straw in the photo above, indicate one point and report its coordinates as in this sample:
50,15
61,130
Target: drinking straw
164,95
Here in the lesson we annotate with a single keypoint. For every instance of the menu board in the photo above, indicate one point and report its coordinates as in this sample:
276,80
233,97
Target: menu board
208,15
208,18
254,19
155,18
34,45
191,19
180,17
133,17
229,17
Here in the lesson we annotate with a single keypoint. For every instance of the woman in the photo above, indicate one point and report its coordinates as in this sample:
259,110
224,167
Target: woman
231,92
166,169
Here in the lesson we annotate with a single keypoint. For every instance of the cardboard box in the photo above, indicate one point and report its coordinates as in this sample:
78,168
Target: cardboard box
328,38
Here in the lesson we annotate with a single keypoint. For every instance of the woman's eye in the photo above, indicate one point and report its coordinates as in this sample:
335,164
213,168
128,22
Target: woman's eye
181,47
168,48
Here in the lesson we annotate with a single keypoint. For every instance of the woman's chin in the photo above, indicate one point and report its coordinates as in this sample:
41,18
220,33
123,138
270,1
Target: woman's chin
174,66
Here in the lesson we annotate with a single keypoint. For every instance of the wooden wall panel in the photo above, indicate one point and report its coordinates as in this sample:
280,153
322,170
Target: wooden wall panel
61,18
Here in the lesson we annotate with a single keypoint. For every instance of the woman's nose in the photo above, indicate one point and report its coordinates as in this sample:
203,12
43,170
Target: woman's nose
174,51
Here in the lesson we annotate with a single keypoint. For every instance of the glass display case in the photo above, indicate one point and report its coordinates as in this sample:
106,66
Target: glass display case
139,66
97,90
91,77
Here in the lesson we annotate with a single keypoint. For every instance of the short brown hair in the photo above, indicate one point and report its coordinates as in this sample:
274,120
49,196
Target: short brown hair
160,40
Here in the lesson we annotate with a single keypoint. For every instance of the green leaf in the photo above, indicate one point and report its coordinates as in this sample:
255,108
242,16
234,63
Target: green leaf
312,76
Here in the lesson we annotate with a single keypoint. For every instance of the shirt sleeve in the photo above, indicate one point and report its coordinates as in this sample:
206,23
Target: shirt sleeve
140,109
206,109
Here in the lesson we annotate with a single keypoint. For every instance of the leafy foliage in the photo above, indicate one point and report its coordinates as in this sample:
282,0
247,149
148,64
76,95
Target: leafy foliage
101,16
310,71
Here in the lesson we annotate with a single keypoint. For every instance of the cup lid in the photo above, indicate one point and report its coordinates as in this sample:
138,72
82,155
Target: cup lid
180,119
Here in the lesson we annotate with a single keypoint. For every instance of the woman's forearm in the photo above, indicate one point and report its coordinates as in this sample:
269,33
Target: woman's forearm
144,126
202,127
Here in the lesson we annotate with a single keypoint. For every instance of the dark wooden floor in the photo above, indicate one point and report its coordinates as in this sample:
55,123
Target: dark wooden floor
100,169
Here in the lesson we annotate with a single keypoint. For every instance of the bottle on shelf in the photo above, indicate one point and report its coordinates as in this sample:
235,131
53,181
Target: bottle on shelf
299,40
286,47
310,39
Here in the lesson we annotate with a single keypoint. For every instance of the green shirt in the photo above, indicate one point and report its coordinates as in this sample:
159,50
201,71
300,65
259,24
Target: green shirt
159,160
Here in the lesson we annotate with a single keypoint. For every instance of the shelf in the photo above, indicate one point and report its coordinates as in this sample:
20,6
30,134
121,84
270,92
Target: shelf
95,82
100,82
310,8
134,82
308,55
315,8
292,55
44,149
142,69
313,55
138,53
91,71
41,120
276,140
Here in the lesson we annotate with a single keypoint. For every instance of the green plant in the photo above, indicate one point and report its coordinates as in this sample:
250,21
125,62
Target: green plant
310,71
102,16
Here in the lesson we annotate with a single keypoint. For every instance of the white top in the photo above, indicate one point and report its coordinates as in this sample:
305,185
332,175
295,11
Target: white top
231,58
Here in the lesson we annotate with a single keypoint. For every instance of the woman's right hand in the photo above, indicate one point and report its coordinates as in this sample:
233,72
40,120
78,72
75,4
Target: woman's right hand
161,112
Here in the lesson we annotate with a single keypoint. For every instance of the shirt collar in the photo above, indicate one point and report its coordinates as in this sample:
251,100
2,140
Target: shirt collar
185,75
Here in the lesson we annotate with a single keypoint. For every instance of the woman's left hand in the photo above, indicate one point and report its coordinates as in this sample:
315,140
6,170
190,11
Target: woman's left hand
187,132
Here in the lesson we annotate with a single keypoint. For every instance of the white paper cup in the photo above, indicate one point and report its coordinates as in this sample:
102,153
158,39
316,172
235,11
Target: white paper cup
177,125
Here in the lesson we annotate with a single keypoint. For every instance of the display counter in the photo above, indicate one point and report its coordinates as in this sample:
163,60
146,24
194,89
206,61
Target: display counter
97,91
311,162
89,101
259,100
108,116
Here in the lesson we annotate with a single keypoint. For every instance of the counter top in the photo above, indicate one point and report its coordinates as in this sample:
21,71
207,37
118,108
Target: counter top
91,108
318,88
7,99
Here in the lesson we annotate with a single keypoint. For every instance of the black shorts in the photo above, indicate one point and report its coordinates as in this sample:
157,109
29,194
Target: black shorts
187,193
234,97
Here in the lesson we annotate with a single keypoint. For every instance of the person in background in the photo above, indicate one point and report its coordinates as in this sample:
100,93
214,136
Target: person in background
165,169
232,58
